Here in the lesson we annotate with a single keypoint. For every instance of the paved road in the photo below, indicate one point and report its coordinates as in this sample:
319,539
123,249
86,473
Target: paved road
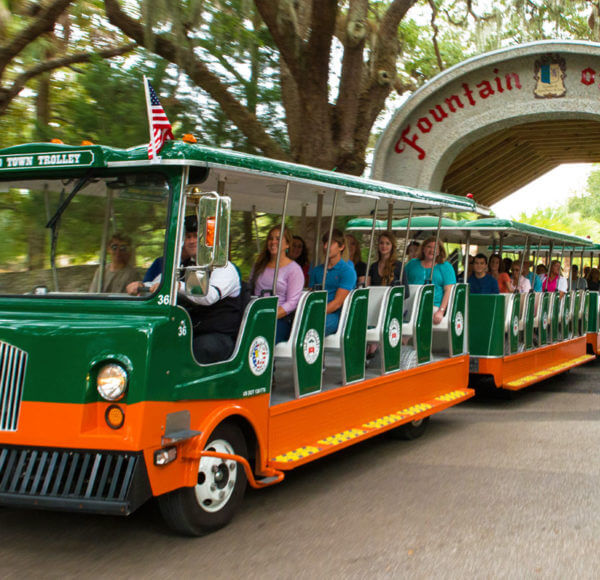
495,489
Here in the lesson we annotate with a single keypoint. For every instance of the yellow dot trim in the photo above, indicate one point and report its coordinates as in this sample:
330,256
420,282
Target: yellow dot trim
297,454
341,437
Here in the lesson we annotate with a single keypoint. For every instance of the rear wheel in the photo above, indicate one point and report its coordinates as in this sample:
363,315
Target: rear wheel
412,430
218,493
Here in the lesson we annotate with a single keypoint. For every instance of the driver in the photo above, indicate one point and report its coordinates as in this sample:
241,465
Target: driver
216,316
188,258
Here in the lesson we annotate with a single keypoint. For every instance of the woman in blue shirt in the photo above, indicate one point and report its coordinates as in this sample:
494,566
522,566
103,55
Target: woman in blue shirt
418,271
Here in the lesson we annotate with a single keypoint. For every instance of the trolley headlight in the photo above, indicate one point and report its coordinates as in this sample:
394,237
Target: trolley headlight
111,382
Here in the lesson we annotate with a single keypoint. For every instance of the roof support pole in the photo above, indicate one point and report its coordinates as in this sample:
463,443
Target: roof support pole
410,212
318,229
371,241
525,251
281,236
466,260
437,241
335,197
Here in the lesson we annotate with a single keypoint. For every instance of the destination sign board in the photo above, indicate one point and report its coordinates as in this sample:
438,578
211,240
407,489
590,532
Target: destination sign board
49,160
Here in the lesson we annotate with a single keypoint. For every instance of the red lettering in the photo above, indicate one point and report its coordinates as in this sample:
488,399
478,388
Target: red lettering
485,89
499,87
515,77
412,142
588,76
424,125
469,94
450,104
441,111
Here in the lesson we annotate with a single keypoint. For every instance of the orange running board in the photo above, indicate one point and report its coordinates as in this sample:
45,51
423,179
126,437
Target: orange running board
527,380
353,434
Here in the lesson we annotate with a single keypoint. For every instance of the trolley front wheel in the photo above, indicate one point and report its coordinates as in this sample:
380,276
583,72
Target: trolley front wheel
218,493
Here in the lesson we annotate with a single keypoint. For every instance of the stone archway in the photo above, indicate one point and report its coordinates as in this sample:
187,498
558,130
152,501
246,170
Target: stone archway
497,121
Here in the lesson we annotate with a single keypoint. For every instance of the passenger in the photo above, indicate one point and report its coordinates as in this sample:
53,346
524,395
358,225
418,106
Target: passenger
577,283
480,281
386,271
341,279
519,283
188,252
541,271
360,267
299,253
586,272
554,282
121,270
594,280
461,274
418,271
534,280
501,277
290,279
412,250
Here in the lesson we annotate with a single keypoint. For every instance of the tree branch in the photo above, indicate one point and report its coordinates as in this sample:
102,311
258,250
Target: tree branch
44,22
436,30
282,21
202,76
354,40
8,94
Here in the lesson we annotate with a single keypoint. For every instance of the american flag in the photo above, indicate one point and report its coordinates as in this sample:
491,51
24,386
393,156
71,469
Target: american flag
160,128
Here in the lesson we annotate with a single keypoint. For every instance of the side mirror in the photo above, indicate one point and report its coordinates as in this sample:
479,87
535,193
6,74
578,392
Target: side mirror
196,282
214,217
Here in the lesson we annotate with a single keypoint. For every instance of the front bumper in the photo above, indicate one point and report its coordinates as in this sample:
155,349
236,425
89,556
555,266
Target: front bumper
91,481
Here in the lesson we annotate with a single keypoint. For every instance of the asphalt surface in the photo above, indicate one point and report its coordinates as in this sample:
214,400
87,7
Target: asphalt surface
496,488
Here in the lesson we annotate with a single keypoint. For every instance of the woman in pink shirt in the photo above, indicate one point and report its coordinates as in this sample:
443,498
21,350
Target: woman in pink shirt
554,282
290,279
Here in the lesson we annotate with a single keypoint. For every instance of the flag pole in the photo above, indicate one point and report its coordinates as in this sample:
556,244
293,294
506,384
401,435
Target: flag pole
149,114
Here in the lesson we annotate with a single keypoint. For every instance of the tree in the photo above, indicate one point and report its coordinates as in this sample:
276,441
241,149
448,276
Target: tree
337,61
30,48
322,131
588,204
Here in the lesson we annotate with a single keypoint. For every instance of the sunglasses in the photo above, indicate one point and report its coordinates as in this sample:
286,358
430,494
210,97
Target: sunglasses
122,247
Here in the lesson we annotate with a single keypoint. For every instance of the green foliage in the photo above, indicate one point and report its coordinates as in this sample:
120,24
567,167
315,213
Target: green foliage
588,204
561,219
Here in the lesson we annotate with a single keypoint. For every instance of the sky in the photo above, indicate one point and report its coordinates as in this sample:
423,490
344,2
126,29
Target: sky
550,190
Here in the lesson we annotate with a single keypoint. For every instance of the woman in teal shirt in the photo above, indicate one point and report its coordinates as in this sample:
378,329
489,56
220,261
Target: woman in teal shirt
418,271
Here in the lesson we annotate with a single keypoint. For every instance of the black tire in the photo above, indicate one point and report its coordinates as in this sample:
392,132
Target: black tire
212,503
412,430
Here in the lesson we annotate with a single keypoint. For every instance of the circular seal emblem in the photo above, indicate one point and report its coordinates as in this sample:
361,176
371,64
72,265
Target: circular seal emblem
459,323
394,332
515,325
311,346
545,320
258,356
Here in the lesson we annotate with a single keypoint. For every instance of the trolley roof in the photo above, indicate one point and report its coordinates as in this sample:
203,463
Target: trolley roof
250,180
484,231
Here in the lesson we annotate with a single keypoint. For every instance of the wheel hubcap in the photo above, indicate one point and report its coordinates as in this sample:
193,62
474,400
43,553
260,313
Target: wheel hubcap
216,477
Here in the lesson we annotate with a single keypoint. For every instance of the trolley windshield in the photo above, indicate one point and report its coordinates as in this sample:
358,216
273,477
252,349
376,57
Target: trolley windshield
86,235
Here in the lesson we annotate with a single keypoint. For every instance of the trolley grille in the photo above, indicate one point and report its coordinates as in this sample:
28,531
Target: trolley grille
96,481
13,361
